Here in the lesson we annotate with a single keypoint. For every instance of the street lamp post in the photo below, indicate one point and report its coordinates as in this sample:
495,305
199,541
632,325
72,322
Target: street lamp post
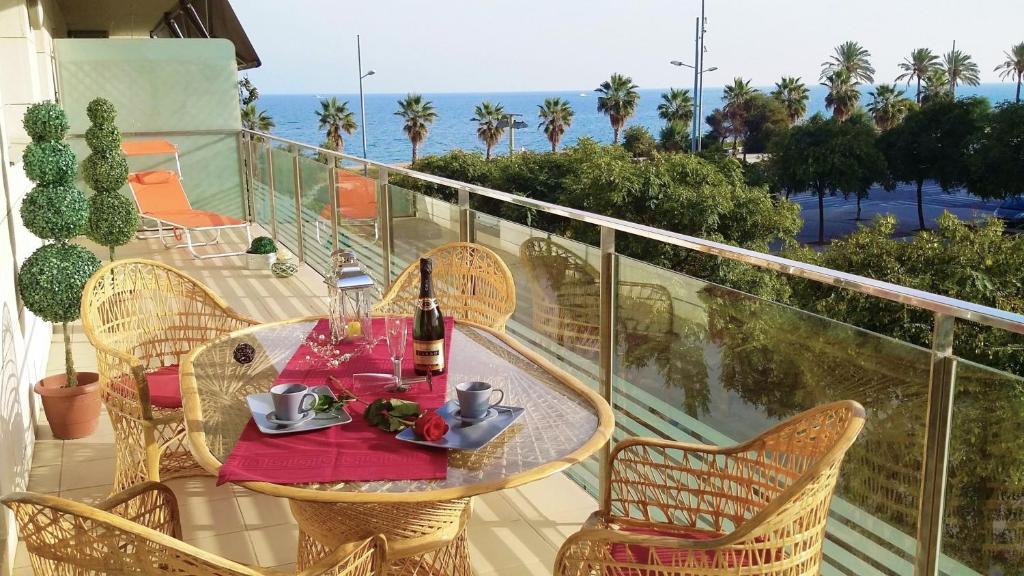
699,63
698,88
362,100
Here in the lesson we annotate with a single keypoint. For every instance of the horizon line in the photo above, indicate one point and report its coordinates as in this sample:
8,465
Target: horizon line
551,90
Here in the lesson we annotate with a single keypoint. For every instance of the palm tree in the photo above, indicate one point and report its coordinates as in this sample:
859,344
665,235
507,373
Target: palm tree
793,95
618,100
1013,66
736,96
252,119
960,69
676,106
935,85
851,58
888,106
916,67
488,119
335,118
555,117
843,96
418,115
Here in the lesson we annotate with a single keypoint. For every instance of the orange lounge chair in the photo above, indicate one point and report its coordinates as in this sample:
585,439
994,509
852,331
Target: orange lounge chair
357,200
161,198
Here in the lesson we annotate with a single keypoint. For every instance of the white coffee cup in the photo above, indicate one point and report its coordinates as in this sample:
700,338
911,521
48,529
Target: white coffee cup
290,401
475,398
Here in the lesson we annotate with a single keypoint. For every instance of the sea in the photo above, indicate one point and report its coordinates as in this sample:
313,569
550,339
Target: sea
295,118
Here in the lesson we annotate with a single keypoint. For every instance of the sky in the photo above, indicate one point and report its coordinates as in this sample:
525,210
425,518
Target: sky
309,46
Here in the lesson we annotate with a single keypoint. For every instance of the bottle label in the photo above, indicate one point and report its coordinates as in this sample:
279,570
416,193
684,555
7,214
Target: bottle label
427,303
428,354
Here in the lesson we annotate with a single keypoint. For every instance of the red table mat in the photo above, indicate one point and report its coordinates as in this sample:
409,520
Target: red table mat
352,452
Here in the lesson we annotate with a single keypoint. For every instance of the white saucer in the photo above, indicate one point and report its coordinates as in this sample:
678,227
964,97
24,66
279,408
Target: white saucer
491,413
287,423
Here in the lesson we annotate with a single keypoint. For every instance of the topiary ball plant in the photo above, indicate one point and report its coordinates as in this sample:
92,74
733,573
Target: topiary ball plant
46,122
101,111
113,218
105,172
51,280
49,163
262,245
55,211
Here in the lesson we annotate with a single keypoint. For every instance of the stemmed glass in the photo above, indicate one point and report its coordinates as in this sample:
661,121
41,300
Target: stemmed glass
397,330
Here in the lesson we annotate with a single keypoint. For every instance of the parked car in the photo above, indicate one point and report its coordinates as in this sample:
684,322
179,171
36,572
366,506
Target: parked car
1011,211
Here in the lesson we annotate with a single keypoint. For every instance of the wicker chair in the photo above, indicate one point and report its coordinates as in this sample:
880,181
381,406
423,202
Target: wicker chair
567,299
756,508
138,532
471,283
143,317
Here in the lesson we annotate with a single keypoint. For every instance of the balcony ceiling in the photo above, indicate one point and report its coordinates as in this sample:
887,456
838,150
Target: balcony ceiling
160,18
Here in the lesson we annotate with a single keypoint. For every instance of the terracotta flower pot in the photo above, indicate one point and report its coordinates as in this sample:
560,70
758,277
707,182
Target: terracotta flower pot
71,412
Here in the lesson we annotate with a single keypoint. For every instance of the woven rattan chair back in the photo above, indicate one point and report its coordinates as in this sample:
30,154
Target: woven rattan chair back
766,502
471,283
141,315
138,536
566,299
151,311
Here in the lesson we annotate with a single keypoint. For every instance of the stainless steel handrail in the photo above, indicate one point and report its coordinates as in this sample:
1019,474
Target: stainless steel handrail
936,303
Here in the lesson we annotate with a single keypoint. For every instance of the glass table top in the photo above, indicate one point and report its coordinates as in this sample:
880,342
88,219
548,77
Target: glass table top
563,422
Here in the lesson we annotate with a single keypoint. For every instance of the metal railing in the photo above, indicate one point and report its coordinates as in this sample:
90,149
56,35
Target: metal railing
945,310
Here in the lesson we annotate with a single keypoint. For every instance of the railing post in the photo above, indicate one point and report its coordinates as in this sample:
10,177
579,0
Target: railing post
243,167
270,188
467,228
384,223
935,466
606,349
332,186
297,175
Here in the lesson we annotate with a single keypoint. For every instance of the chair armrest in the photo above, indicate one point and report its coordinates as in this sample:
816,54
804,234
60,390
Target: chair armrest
661,482
589,551
365,558
150,504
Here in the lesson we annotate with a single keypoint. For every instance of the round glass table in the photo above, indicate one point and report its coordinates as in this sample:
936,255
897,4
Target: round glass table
424,520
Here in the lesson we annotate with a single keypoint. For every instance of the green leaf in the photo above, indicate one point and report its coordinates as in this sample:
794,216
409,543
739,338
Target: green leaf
403,408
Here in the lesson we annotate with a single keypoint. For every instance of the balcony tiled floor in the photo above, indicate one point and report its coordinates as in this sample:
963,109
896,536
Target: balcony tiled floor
516,531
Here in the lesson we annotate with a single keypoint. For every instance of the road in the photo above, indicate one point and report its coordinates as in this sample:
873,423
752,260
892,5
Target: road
902,202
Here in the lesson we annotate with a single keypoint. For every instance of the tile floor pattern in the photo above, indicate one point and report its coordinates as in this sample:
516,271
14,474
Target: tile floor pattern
512,532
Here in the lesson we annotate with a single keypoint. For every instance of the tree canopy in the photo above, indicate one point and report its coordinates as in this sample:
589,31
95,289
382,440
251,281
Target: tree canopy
996,166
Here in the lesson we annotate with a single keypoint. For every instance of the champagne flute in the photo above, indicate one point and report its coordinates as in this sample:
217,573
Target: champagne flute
397,330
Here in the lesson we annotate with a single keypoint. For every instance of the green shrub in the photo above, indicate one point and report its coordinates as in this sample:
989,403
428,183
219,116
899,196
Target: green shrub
639,142
105,173
101,111
55,211
674,137
46,122
49,163
262,245
52,279
113,219
103,138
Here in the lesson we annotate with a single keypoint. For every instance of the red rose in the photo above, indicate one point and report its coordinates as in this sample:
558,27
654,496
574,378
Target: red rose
430,426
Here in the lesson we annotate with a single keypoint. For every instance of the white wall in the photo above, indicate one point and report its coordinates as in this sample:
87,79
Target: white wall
26,76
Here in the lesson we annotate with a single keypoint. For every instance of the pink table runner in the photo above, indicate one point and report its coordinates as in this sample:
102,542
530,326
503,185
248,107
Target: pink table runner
352,452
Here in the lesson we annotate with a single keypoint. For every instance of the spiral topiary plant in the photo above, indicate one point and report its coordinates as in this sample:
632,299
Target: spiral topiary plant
113,218
51,280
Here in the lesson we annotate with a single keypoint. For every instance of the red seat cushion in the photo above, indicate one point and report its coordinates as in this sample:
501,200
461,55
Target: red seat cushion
640,554
164,388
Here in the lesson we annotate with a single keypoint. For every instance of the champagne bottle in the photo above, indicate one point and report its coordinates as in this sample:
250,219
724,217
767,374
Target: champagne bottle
427,327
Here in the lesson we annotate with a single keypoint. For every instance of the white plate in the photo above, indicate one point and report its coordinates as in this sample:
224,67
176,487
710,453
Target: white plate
262,404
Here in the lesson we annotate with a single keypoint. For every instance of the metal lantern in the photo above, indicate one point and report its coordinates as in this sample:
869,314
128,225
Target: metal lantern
350,290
